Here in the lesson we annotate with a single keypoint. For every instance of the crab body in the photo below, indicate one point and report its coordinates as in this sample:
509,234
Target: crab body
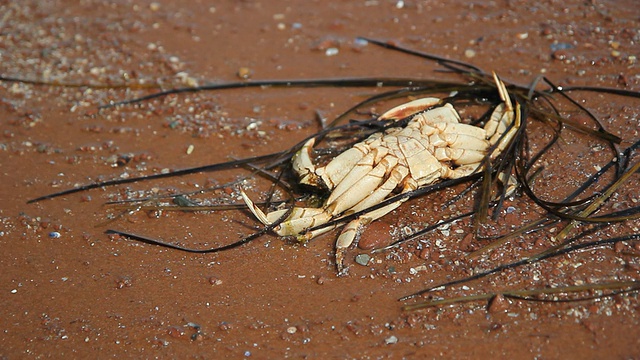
433,145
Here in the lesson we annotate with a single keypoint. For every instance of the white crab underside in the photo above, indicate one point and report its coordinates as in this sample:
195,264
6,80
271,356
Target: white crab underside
433,145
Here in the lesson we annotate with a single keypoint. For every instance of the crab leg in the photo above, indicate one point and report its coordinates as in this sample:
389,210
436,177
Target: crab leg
366,186
293,225
459,156
357,172
503,117
302,164
334,172
299,219
350,231
368,178
410,108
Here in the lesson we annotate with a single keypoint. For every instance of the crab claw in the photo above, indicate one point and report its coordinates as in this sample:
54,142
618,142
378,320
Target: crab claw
410,108
303,166
349,235
259,214
345,239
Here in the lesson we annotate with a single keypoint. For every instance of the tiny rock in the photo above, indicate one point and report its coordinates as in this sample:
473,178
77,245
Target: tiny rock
498,304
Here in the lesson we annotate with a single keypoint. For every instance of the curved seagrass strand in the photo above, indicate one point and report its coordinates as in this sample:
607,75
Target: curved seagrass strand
266,229
526,261
245,240
205,168
455,65
621,92
552,208
614,288
144,203
461,91
293,83
79,85
502,165
604,134
567,203
526,166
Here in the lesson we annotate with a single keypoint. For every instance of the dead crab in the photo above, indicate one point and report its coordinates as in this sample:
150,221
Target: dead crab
433,145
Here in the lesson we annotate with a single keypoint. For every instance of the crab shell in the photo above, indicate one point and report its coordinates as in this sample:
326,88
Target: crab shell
434,145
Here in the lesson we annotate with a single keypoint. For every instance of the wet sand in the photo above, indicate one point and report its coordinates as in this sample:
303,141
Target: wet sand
68,289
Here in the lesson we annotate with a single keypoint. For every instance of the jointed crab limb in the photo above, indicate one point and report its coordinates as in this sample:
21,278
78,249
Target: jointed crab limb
428,144
351,232
412,107
504,118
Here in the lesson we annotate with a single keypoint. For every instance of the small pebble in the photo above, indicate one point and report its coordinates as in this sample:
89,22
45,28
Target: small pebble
561,46
363,259
123,282
292,329
193,325
391,340
214,281
425,253
331,51
498,304
244,73
559,55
